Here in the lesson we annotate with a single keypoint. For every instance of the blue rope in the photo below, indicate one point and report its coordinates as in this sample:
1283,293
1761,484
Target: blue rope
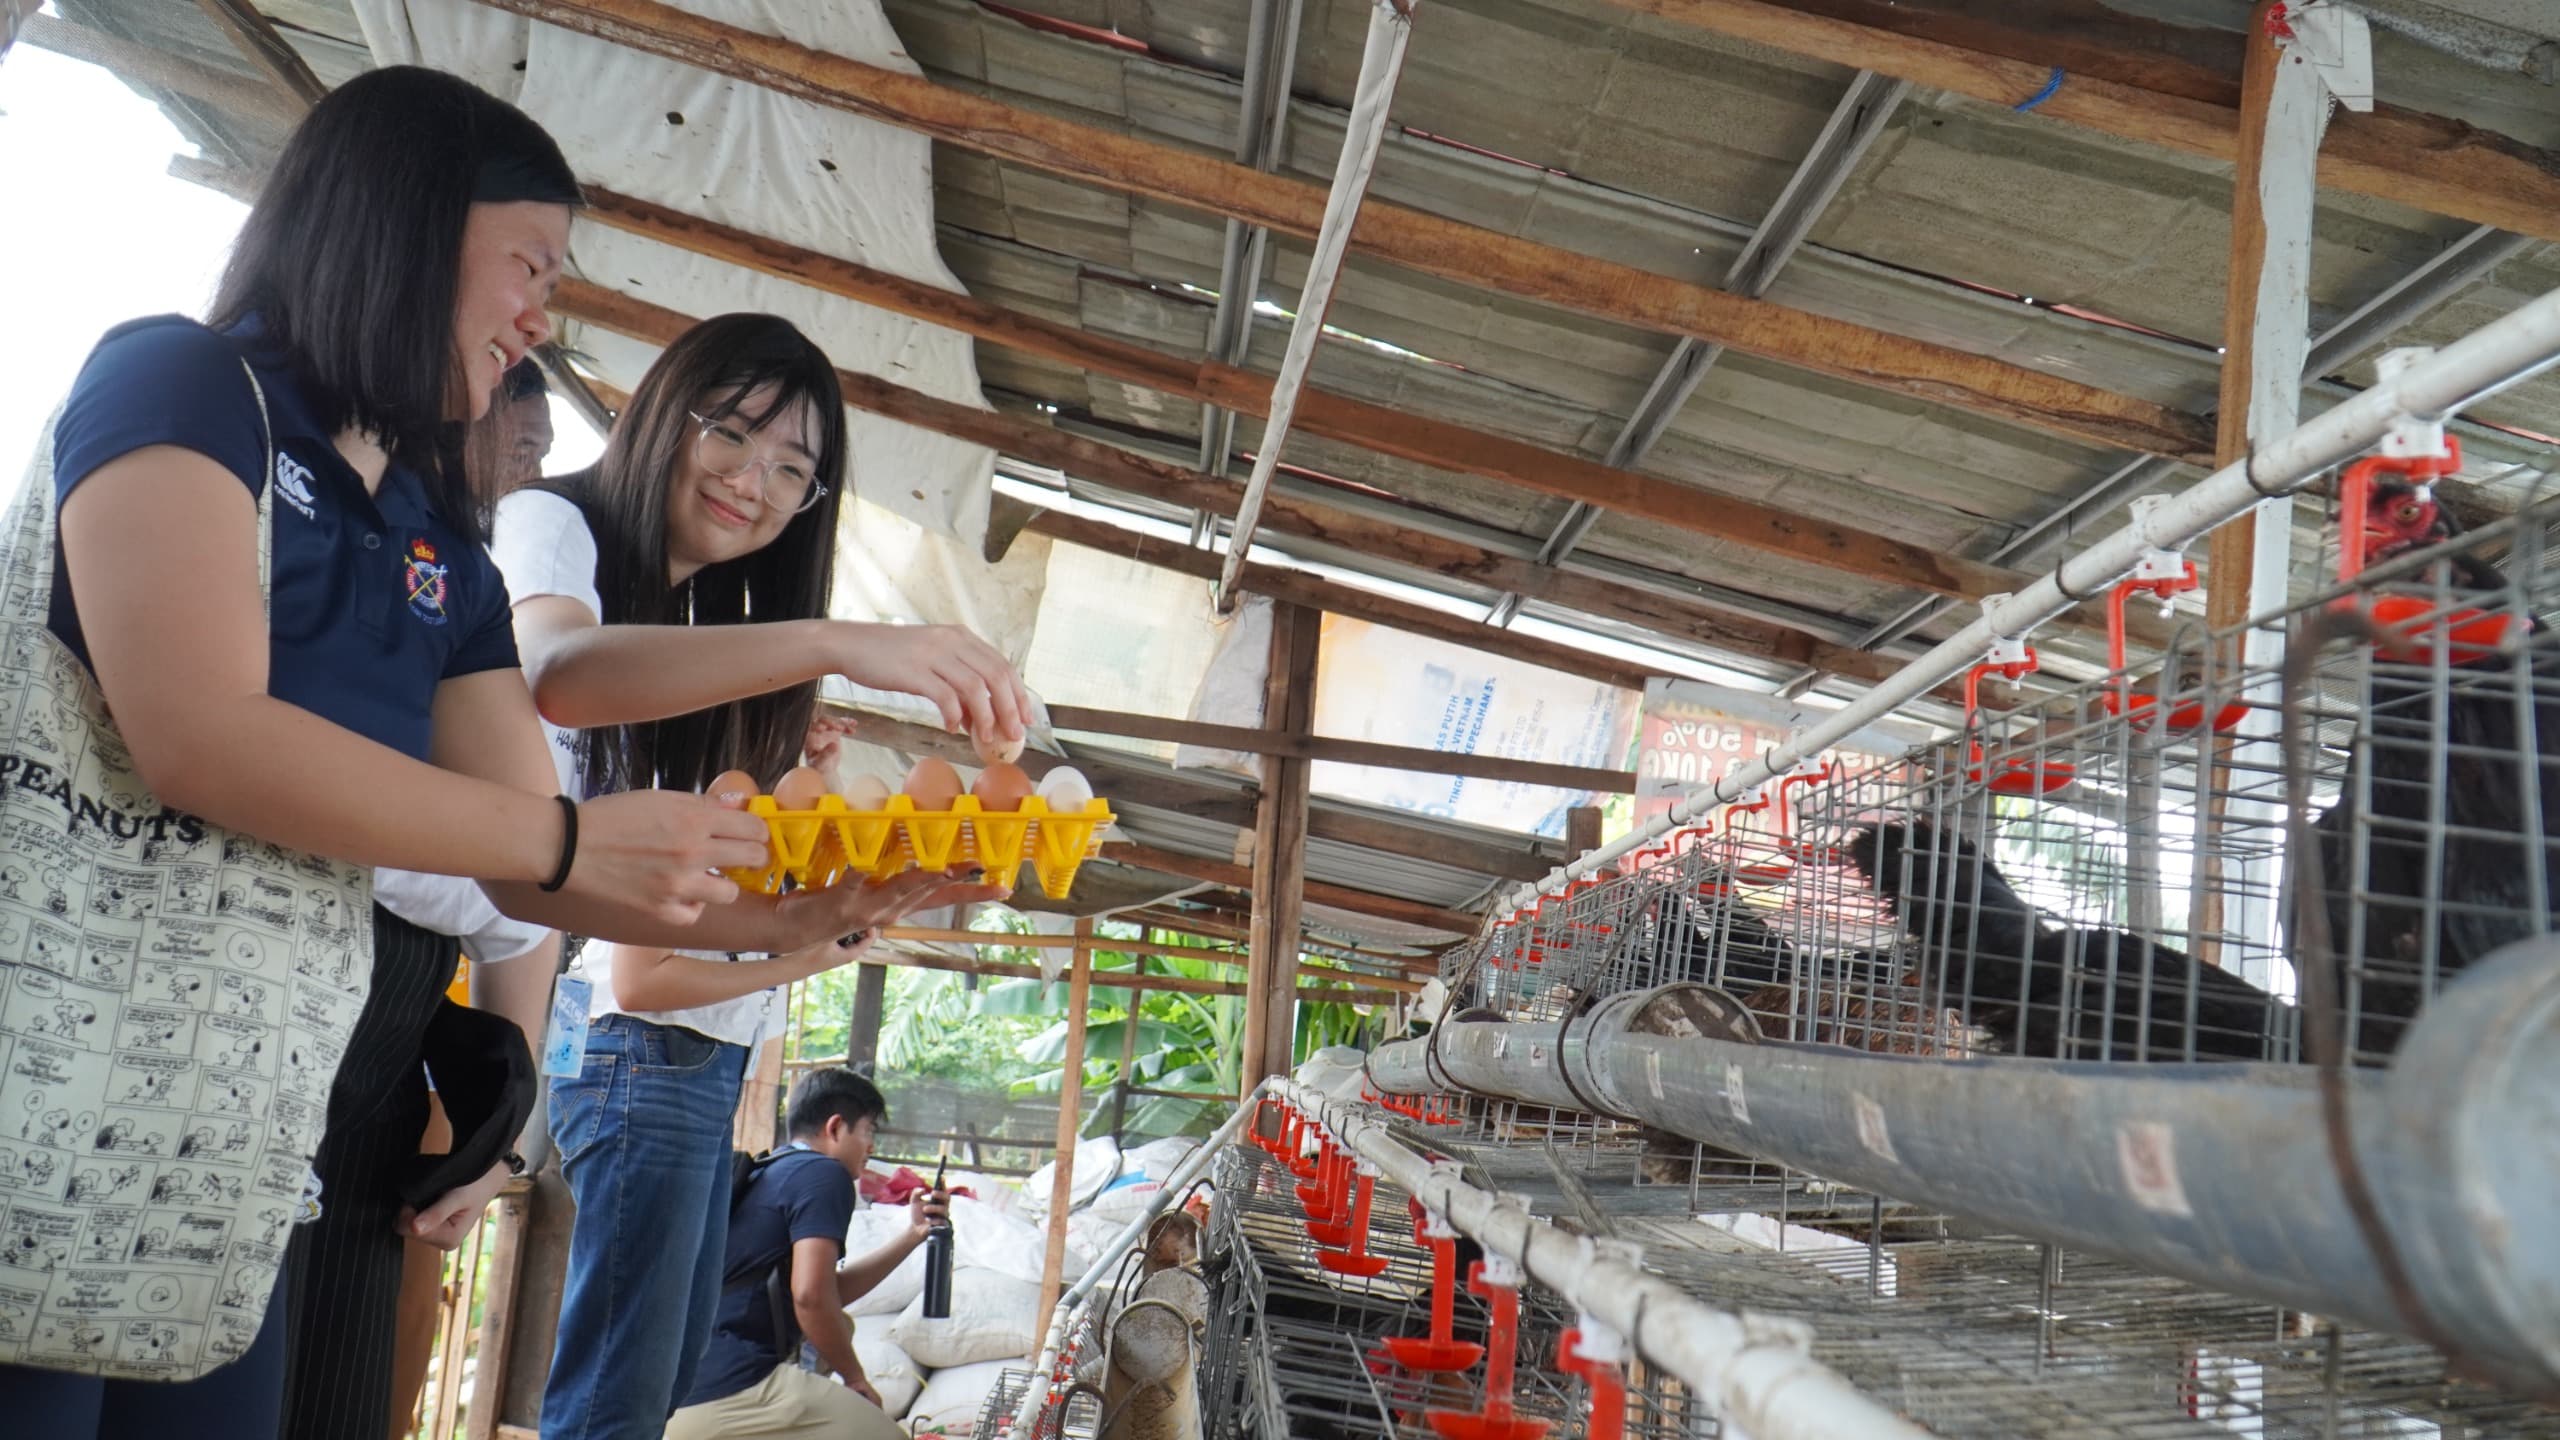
2041,96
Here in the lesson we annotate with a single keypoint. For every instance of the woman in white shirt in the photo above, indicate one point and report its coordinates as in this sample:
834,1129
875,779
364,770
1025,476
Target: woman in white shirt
670,605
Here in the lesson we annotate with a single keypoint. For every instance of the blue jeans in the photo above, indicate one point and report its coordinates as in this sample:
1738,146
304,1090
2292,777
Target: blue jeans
644,1137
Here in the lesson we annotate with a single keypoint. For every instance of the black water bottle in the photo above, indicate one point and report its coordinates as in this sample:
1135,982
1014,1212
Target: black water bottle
937,1258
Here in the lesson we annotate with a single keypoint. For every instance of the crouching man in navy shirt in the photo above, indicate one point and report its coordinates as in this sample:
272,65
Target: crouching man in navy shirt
792,1219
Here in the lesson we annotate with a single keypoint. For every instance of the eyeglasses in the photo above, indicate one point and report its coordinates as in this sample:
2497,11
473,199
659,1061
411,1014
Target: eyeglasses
728,452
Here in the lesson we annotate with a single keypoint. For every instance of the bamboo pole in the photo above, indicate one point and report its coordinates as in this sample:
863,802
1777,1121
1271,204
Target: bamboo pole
498,1315
1070,1100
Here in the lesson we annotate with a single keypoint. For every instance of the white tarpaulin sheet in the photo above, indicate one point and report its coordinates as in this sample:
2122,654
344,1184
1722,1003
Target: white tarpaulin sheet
1115,634
1398,689
795,172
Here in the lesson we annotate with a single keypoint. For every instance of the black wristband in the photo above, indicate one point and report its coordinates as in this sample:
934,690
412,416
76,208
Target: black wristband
568,845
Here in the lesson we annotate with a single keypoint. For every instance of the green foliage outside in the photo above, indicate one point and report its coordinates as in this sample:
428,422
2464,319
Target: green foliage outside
1009,1036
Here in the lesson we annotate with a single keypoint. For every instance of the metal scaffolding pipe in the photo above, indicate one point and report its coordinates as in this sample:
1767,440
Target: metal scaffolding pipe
2479,364
1036,1395
1364,131
1755,1371
2220,1174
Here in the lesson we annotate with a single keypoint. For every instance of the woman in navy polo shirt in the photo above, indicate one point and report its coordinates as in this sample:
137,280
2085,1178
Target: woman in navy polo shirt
396,263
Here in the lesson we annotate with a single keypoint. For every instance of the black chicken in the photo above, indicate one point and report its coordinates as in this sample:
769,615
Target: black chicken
2047,989
1723,945
2463,778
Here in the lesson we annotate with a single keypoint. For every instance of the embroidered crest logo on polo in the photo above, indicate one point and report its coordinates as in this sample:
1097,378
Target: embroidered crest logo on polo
423,580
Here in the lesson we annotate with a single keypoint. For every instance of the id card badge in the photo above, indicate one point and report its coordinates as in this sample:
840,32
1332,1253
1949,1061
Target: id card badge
564,1040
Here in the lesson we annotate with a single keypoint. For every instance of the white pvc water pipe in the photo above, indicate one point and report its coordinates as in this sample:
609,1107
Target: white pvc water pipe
2501,353
1755,1371
1381,62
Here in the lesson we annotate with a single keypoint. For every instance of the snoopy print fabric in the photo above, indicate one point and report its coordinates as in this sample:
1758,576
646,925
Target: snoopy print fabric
174,1000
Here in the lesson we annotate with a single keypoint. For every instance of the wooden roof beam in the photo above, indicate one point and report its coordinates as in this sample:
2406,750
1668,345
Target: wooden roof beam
1107,465
2165,86
1216,922
1377,990
266,49
1430,244
1348,752
140,64
1300,588
1441,444
1421,439
1527,856
1338,897
1148,477
1137,474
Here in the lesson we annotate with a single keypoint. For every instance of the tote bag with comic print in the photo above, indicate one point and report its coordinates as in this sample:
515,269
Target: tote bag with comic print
174,1000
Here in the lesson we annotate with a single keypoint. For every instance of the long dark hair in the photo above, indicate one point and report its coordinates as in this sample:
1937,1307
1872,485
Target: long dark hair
710,370
351,257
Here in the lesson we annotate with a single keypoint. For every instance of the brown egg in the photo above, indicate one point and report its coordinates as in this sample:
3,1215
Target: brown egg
933,784
866,793
993,750
733,788
1002,787
800,789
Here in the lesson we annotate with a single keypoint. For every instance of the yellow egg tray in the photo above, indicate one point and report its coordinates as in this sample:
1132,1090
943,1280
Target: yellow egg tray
817,848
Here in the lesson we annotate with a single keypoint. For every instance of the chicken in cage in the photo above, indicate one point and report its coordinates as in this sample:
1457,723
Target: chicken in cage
2139,911
1739,902
2443,842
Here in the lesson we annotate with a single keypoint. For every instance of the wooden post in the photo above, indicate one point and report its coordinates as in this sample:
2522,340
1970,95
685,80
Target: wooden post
1062,1189
444,1402
870,995
1581,831
2255,260
756,1126
2266,335
1128,1056
498,1315
1280,848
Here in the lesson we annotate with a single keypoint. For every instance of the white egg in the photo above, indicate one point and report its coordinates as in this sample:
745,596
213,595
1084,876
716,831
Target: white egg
1065,790
866,792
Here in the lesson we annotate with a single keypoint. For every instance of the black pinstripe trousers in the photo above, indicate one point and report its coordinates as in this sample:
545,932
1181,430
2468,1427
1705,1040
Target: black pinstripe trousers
342,1271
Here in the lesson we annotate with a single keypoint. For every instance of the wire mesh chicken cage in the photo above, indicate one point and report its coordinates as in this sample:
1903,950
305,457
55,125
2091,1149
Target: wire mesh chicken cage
1077,1416
2140,869
1967,1334
2294,832
2106,873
